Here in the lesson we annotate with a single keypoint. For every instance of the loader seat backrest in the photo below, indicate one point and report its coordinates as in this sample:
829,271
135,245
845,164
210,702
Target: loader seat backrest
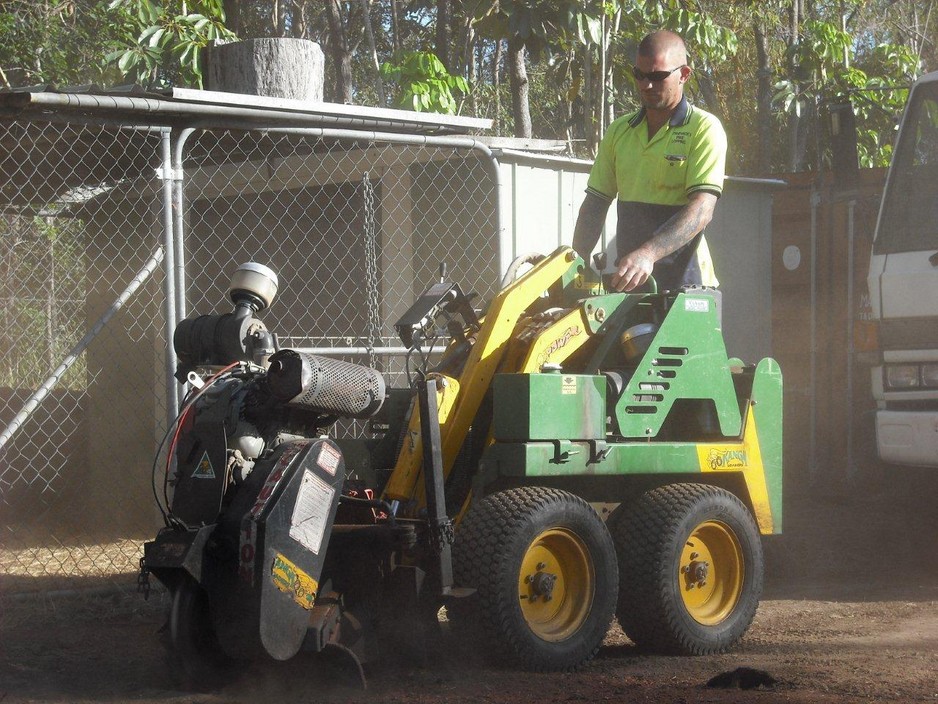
616,381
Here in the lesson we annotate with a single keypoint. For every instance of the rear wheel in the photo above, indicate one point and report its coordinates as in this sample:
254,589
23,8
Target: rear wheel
196,656
544,568
691,566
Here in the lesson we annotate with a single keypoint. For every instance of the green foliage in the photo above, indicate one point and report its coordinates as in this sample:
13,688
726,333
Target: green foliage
170,39
423,83
570,44
827,71
709,41
43,287
56,41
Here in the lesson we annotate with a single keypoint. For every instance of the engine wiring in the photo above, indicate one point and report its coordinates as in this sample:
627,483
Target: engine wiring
174,429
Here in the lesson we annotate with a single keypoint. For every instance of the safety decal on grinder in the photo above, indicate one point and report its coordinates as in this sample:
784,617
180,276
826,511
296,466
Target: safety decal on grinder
205,469
311,512
328,458
290,579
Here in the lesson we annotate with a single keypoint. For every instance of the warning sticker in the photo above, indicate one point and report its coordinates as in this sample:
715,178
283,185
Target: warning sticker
329,458
290,579
205,469
311,512
696,305
568,385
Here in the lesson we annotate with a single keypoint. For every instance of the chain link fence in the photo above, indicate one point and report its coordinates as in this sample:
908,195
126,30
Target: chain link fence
101,241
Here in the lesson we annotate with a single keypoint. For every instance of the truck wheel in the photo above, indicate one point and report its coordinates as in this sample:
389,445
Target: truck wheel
691,566
544,567
196,657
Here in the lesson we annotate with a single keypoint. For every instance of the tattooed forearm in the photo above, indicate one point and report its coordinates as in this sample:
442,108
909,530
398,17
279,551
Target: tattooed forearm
682,227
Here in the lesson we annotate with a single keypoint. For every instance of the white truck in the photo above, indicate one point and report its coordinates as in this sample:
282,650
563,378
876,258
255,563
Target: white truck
903,286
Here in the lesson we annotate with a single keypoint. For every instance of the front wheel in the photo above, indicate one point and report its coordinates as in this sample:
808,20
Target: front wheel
544,567
196,657
691,566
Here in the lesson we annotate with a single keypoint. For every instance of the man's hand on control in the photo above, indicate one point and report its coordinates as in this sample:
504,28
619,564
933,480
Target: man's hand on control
634,270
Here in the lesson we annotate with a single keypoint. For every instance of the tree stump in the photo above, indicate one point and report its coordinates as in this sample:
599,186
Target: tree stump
273,67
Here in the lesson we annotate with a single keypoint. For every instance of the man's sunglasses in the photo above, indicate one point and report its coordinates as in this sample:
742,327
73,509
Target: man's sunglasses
653,76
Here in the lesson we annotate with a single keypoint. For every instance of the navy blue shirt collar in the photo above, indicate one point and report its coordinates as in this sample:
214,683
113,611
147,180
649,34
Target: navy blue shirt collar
678,118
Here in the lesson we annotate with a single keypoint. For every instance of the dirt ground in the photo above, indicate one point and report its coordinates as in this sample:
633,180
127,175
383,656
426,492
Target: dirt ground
850,614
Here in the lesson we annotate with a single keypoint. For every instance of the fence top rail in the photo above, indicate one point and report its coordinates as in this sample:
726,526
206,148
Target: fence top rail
185,103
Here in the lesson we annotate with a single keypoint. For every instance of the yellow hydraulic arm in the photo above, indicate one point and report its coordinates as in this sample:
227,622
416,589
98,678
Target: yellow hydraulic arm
459,399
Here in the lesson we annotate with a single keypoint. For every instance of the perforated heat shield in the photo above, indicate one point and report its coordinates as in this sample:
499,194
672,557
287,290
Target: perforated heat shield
325,385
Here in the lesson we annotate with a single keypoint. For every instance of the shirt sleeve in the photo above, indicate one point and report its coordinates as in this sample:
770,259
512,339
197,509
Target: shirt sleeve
602,179
706,166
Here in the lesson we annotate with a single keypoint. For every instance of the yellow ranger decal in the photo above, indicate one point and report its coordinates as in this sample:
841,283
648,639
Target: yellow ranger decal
727,458
745,457
559,343
290,579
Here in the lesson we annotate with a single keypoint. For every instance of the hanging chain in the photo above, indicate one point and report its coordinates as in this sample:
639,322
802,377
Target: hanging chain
371,270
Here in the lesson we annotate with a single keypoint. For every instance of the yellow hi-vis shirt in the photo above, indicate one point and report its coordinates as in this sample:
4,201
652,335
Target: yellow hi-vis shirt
652,179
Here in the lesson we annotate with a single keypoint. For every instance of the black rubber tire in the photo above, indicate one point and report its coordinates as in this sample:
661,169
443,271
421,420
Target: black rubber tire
197,659
499,532
650,535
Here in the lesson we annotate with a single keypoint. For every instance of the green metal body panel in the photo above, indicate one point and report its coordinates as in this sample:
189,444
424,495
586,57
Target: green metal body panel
560,458
686,360
548,406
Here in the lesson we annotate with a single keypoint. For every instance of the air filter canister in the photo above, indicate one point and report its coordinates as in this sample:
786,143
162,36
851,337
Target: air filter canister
325,385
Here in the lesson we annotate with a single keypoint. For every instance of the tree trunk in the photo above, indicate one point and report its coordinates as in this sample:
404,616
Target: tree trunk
373,49
300,23
568,103
709,95
233,15
601,102
794,124
472,72
497,82
763,102
341,54
395,29
610,66
589,120
275,67
442,33
518,79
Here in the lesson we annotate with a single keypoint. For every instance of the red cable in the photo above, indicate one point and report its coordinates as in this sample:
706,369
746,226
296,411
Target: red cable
185,414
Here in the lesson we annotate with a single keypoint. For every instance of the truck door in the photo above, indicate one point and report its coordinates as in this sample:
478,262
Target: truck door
904,268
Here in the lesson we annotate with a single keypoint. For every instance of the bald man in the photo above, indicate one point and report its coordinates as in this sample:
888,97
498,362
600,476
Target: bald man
664,165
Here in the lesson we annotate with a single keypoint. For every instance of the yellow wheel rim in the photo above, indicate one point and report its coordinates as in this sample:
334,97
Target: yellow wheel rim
711,572
555,584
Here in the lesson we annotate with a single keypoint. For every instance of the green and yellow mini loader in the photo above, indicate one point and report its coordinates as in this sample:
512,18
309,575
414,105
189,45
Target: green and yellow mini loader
573,456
